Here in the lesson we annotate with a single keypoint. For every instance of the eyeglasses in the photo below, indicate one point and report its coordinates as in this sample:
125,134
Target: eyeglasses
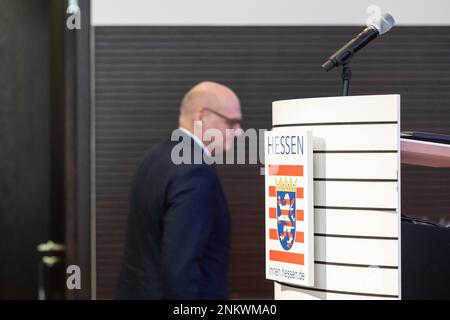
232,123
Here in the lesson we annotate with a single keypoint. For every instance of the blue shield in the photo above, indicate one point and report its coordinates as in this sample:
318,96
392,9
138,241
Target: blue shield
286,217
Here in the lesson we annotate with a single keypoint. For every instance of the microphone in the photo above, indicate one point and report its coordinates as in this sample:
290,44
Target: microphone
380,26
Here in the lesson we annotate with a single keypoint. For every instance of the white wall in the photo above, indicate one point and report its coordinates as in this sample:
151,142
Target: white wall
265,12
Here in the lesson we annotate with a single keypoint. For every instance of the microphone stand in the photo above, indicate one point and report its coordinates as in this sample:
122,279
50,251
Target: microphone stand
346,77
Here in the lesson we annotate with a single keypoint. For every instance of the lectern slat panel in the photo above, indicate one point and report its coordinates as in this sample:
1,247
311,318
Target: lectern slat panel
355,165
330,110
356,194
356,222
351,280
284,292
356,251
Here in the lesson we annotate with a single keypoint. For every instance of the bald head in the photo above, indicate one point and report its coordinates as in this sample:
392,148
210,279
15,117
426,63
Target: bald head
212,103
208,94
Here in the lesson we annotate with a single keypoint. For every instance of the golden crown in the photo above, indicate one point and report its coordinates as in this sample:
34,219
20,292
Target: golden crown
286,185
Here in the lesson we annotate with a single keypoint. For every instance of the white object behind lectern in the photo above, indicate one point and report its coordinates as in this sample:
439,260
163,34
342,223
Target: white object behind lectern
356,194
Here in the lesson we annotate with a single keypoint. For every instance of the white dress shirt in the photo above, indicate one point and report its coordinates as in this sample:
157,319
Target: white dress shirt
197,140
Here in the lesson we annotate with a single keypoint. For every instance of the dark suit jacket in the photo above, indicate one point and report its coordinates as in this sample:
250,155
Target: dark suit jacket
177,238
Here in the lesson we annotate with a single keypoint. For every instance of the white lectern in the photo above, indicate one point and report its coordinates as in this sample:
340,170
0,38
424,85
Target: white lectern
356,195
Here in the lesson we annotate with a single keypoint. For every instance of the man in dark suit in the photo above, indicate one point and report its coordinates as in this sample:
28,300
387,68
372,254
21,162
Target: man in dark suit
178,232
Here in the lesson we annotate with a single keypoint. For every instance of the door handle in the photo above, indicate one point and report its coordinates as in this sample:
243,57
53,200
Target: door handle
50,246
50,261
51,253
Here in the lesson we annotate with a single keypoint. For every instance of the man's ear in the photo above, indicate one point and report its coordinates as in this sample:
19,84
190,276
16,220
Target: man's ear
198,114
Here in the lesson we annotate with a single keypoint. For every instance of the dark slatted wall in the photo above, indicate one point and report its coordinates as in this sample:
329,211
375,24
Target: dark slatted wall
141,74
